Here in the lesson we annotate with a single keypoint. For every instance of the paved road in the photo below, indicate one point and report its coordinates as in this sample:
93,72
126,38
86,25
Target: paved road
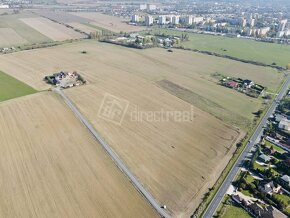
211,209
114,156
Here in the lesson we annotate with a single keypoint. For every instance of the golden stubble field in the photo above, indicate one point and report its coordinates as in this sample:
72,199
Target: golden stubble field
115,24
50,29
176,161
9,37
51,166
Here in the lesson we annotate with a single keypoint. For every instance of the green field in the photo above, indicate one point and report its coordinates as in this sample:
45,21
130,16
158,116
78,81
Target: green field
234,211
267,53
12,88
28,34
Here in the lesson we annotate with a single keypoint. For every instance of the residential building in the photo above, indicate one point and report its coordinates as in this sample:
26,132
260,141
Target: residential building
175,20
251,32
264,31
135,18
248,83
170,18
284,124
4,6
148,20
197,19
280,34
243,22
269,188
282,25
279,117
285,180
188,20
257,208
264,158
161,20
252,22
233,84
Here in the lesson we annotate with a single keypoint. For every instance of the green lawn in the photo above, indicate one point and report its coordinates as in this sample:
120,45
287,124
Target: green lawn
234,211
269,144
249,179
12,88
246,192
286,199
240,48
258,166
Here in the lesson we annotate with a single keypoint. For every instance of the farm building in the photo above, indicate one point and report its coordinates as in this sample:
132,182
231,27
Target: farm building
65,79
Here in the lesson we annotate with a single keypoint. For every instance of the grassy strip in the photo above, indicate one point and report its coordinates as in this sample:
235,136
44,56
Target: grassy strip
275,147
13,88
235,211
100,29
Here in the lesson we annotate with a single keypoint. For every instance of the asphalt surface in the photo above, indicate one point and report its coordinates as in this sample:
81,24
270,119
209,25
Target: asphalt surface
114,156
211,209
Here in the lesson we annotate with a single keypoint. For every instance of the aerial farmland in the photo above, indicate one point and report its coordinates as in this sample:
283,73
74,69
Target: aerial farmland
14,32
128,109
111,23
50,29
24,28
176,161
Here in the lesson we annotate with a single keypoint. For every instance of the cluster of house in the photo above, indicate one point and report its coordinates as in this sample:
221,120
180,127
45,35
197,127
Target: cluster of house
146,41
266,158
245,86
283,123
7,50
257,208
65,79
272,186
